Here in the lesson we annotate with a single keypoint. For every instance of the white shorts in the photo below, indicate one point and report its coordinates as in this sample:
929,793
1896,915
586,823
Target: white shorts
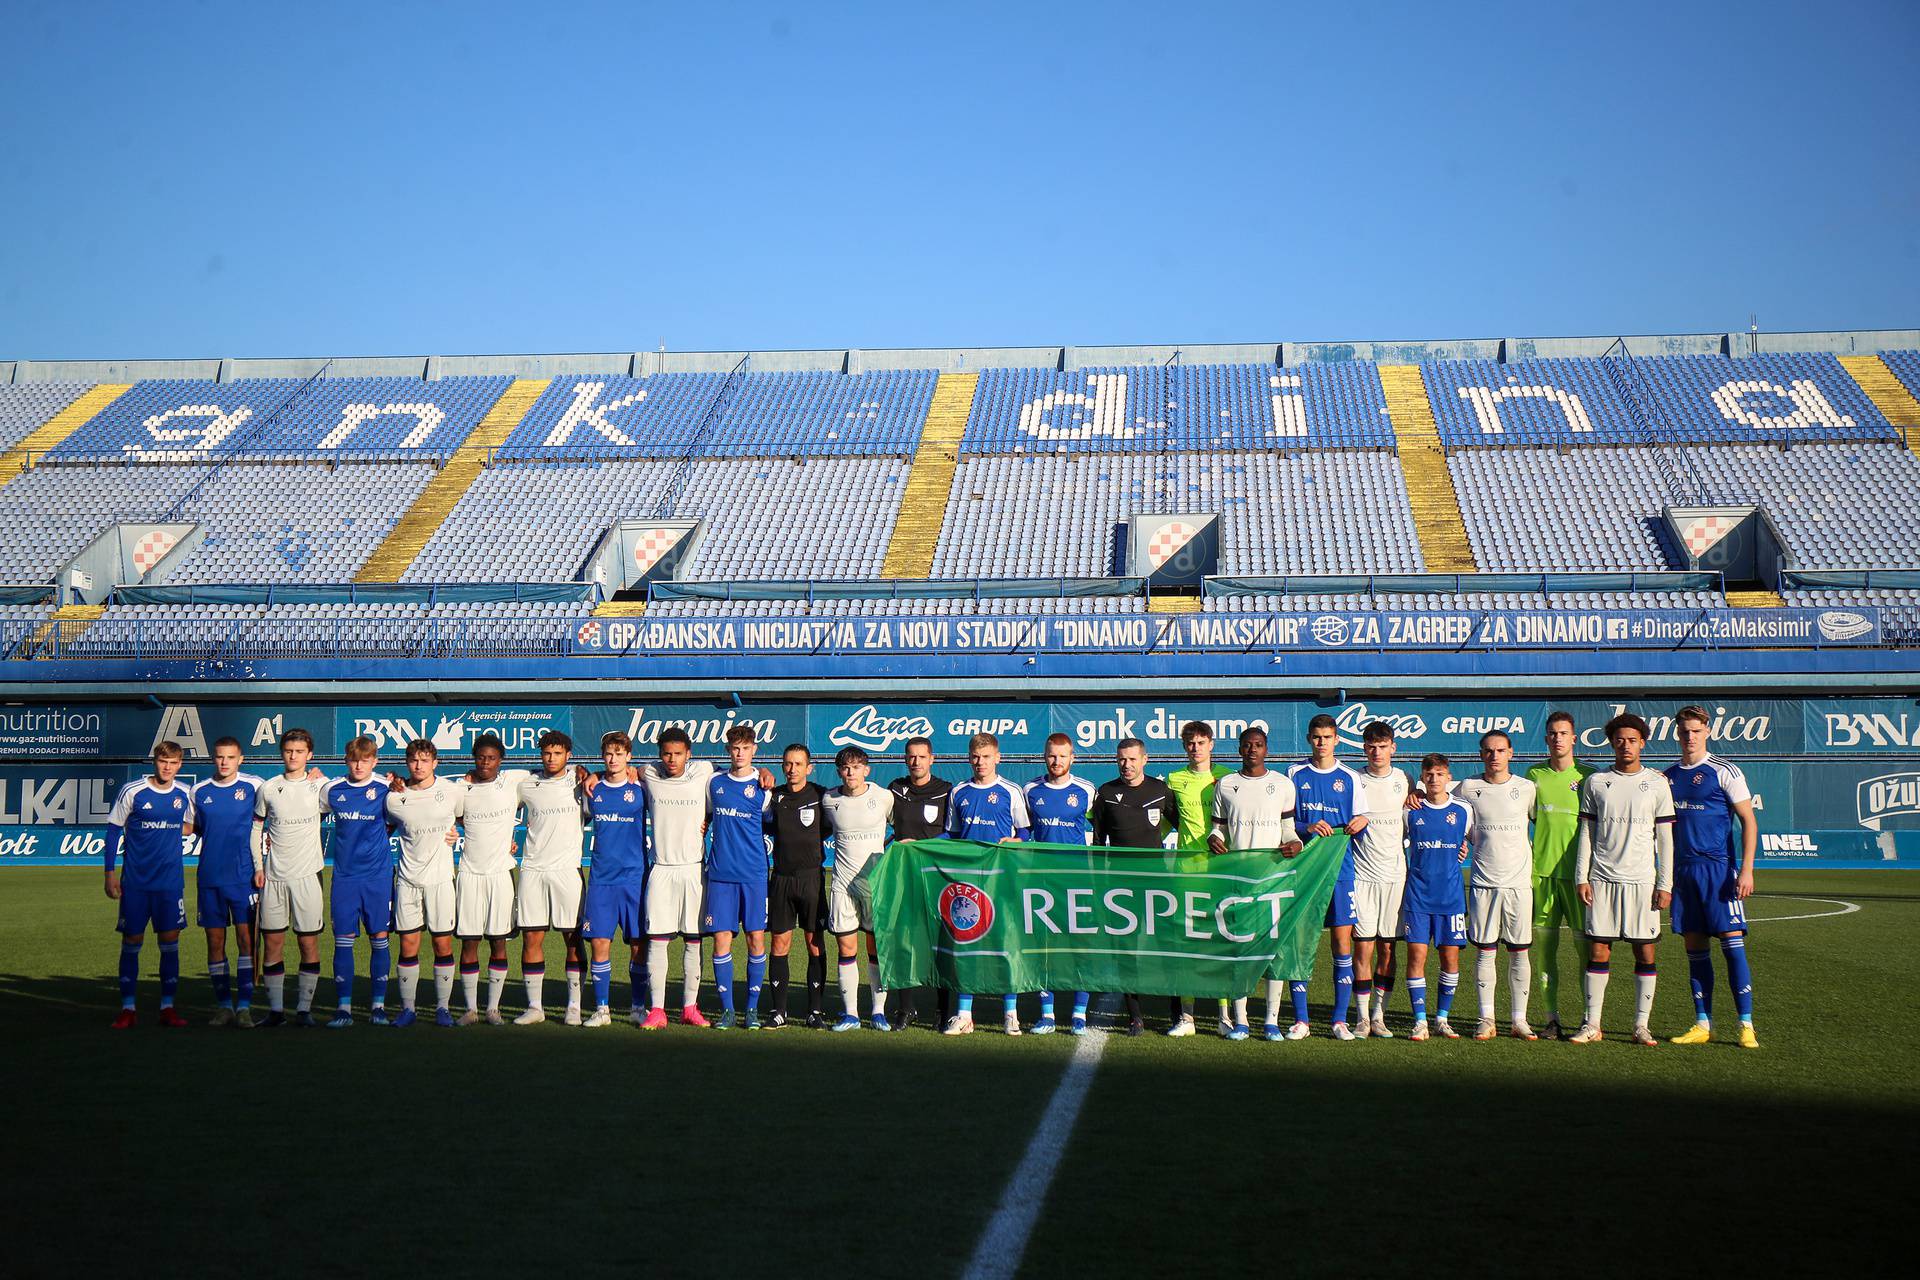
1376,908
675,895
296,904
483,905
417,907
1500,915
548,899
850,899
1623,913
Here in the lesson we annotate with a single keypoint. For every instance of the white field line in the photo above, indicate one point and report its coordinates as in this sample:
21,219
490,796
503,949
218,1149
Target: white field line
1846,908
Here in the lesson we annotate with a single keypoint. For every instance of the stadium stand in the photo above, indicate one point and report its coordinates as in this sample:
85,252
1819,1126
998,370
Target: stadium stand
1542,510
1334,512
25,407
1837,506
1906,367
50,513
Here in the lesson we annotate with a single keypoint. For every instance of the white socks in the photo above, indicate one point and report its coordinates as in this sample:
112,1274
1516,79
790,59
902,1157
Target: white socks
1276,991
690,974
470,988
309,982
850,986
1240,1012
1643,991
535,979
277,992
657,973
409,983
573,988
1519,982
1484,959
442,982
496,983
1596,995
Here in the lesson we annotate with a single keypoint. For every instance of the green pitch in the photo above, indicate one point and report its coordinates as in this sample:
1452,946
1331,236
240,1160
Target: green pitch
487,1149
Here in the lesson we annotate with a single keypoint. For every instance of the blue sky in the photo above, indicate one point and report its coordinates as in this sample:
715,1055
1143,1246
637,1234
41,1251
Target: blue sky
278,180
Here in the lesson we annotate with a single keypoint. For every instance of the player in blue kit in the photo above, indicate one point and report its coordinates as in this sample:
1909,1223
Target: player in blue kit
1435,913
1327,798
221,814
362,878
736,894
986,807
618,806
1710,889
149,821
1061,807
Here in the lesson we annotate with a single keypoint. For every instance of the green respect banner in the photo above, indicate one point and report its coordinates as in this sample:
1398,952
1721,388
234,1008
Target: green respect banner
990,919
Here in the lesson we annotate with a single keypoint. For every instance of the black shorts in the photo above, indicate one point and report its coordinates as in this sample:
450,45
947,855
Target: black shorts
797,901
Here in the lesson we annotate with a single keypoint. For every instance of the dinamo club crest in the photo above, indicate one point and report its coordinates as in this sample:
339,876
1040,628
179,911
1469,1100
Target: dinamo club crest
966,910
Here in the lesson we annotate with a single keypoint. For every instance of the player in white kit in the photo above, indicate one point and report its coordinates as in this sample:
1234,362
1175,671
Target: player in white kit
483,883
287,862
1253,810
857,814
677,807
1500,898
1379,878
423,813
1624,870
548,896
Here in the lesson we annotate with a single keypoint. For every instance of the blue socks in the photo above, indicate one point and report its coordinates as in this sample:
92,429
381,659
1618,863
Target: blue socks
343,971
636,981
1700,979
1080,999
1739,976
169,972
129,972
723,978
1417,992
1449,984
243,989
1046,1004
756,978
1298,990
602,983
378,970
1342,986
222,986
963,1003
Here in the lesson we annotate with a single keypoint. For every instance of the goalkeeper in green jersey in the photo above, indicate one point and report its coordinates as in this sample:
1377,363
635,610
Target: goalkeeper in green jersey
1556,826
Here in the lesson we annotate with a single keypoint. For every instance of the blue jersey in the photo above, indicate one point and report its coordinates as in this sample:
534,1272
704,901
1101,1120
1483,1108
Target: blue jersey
361,848
1703,798
223,819
149,824
739,808
1061,812
1325,795
1435,834
619,831
988,811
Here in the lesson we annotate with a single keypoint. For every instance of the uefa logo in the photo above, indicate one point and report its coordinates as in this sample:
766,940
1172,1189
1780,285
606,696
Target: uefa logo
966,910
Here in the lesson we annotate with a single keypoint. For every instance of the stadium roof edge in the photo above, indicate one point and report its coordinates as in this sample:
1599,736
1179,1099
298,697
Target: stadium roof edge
953,359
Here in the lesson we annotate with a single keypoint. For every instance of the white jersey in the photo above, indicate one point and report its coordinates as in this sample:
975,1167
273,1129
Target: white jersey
1254,813
290,808
556,821
679,811
1380,850
859,826
1626,829
1502,849
422,816
489,813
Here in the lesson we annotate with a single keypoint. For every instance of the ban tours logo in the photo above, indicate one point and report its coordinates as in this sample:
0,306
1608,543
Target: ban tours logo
966,910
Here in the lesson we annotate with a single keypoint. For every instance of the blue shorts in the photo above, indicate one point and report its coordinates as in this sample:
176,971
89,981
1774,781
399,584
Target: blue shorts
1705,898
1431,929
165,908
361,900
614,904
735,908
1340,909
224,906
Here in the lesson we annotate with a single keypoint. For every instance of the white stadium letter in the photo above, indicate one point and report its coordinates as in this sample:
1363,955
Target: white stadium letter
1289,411
583,410
1486,405
1811,408
427,417
1105,416
217,428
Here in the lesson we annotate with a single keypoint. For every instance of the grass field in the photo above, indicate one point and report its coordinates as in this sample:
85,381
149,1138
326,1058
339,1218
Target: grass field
485,1150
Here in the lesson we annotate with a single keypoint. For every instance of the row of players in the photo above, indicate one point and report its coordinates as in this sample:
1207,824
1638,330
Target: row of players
680,851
